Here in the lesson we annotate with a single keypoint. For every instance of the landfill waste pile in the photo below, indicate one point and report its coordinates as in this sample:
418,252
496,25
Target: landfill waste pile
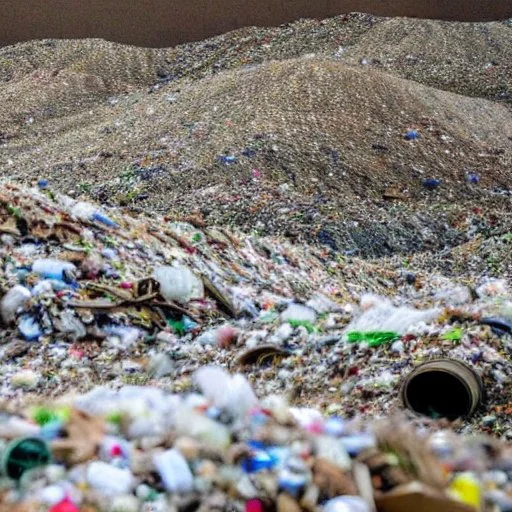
370,135
97,296
270,271
220,448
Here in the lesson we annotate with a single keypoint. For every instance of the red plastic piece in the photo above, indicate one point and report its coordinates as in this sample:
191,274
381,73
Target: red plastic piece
66,505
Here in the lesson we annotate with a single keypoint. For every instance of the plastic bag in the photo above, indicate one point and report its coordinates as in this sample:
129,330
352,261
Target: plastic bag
179,284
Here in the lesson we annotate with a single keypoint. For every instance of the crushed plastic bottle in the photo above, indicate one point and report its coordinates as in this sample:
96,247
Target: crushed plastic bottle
411,135
299,313
346,504
42,184
431,183
379,314
473,178
89,213
54,269
108,479
210,432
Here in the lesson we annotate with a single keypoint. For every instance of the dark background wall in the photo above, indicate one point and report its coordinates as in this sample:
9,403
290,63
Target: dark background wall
160,23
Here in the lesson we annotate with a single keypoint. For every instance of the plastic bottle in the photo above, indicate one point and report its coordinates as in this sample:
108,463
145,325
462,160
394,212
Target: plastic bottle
89,213
100,217
333,450
108,479
174,471
53,269
211,433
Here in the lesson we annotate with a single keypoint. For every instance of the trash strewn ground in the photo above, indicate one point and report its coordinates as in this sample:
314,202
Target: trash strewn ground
220,448
95,296
265,272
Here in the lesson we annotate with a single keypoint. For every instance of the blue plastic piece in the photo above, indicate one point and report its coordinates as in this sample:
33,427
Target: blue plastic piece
292,483
227,159
258,419
188,324
260,458
213,413
473,178
431,183
29,328
357,443
335,426
412,135
99,217
54,269
248,152
51,430
42,184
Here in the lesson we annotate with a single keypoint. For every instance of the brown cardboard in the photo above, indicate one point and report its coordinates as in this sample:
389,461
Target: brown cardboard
416,497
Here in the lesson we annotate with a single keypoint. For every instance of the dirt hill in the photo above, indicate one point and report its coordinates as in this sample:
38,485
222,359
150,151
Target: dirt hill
297,130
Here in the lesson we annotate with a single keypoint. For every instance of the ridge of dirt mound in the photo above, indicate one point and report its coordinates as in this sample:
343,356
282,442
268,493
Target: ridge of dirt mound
113,62
315,128
467,58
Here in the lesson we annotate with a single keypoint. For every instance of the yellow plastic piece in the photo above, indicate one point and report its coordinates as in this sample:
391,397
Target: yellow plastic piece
466,488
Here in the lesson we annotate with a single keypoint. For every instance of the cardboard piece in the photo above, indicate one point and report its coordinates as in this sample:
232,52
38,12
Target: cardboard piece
416,497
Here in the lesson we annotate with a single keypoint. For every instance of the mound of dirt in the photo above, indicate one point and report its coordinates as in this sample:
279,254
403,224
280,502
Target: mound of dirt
312,146
467,58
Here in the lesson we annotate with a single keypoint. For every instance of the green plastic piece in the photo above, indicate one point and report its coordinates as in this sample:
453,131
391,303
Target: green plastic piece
372,338
44,415
303,323
24,454
177,326
454,334
115,418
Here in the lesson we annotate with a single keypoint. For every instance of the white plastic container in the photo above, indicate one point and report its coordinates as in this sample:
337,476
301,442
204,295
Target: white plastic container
174,470
108,479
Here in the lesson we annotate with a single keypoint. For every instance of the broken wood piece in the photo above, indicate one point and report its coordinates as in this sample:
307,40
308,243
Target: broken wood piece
224,302
176,307
113,290
102,304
